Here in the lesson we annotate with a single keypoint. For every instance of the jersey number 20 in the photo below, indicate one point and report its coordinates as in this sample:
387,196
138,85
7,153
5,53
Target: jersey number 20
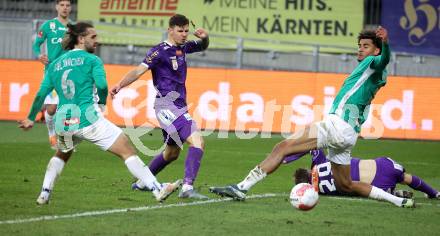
325,170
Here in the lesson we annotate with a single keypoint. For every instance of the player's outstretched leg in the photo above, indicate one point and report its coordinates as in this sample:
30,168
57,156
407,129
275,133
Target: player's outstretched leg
53,170
286,147
192,167
122,148
49,118
159,162
419,184
341,174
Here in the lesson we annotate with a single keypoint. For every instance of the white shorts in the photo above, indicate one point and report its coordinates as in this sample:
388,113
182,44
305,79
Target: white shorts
338,136
102,133
52,98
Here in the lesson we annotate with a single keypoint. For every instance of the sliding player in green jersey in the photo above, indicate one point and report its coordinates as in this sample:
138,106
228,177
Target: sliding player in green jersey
76,76
52,32
339,130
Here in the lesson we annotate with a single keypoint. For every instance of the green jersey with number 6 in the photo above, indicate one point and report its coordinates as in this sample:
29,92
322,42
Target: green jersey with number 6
77,76
354,98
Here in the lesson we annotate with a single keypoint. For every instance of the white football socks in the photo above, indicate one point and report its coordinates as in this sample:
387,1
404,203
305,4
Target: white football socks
53,170
254,176
379,194
49,123
141,171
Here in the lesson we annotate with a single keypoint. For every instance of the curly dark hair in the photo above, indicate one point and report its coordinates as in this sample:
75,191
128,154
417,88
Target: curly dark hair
301,175
370,34
73,32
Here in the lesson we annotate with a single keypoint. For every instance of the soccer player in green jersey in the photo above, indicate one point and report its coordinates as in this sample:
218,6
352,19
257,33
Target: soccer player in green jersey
339,130
78,76
52,32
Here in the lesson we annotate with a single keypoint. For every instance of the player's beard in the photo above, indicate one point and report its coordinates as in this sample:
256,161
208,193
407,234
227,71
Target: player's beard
90,48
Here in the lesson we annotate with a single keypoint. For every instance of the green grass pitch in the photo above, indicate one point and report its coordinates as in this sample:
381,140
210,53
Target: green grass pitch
93,193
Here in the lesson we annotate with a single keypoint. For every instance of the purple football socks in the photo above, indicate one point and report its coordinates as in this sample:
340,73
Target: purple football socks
192,164
418,184
157,164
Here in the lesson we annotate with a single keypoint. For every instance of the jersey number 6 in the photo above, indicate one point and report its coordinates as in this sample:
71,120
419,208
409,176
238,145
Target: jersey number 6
67,85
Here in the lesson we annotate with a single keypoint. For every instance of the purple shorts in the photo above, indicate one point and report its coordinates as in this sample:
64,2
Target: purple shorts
388,174
179,130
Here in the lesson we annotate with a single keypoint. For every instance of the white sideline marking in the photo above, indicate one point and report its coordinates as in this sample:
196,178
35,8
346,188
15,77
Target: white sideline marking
147,208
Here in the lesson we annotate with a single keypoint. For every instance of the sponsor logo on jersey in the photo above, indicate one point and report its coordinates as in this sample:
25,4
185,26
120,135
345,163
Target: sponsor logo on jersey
179,53
56,40
40,34
152,56
71,121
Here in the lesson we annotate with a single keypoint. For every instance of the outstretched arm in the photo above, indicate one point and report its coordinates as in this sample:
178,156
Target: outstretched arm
45,88
381,61
129,78
293,157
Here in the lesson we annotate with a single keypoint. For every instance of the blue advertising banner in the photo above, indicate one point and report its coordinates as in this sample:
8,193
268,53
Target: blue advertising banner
413,25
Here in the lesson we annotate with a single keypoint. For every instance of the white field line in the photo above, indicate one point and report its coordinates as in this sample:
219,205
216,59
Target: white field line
147,208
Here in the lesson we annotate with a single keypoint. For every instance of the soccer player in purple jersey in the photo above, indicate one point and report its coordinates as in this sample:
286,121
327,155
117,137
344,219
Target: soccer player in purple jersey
168,67
381,172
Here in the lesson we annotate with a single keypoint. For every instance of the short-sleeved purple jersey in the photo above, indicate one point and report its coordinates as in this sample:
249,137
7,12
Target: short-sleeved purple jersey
168,66
388,173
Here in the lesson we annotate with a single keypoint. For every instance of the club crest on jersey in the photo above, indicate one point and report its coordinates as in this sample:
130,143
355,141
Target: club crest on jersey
174,63
52,26
40,34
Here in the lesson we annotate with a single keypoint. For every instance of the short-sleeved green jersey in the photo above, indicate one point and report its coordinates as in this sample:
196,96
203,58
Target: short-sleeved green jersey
354,98
77,76
51,31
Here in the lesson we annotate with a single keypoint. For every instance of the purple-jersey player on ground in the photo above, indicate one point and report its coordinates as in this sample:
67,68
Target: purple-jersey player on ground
168,67
381,172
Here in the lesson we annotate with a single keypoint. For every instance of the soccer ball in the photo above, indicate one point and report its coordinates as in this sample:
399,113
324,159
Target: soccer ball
303,196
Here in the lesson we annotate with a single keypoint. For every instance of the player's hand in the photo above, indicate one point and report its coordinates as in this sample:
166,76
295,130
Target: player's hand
114,90
382,33
43,59
201,33
26,124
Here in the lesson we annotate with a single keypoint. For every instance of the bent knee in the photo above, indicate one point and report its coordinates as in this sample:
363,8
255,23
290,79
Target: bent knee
281,148
51,109
197,142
